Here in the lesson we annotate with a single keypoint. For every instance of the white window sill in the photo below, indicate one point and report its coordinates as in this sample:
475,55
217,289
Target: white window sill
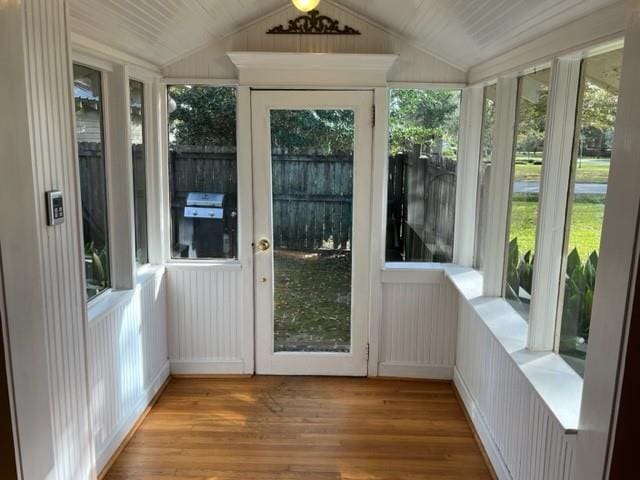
556,383
110,299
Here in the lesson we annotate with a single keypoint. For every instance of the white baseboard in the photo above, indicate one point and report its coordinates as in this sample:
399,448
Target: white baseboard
495,457
103,456
412,370
206,367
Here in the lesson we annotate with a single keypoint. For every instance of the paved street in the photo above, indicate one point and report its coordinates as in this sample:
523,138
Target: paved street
581,188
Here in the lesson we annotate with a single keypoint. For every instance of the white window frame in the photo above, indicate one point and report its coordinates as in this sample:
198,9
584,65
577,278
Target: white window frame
115,78
105,68
554,188
245,199
561,129
480,158
384,112
149,134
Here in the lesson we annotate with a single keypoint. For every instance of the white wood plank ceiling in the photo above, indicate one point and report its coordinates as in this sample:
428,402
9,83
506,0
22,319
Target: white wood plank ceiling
464,32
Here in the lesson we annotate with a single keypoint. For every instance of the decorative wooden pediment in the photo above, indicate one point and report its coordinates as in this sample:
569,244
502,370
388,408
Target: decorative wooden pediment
313,24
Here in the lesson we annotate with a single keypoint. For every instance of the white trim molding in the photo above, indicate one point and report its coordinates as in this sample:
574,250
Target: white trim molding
312,69
379,177
554,189
616,272
500,188
412,370
469,135
207,367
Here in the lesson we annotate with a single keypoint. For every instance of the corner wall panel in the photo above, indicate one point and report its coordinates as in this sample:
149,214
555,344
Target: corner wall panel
205,308
127,356
522,437
419,325
49,109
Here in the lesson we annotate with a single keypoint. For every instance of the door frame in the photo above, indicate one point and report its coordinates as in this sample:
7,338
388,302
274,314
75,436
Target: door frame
354,363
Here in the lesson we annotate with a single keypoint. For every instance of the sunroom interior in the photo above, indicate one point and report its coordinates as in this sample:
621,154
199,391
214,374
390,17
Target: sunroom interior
335,239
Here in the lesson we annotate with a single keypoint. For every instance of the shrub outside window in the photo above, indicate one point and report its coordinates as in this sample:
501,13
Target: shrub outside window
136,107
533,93
87,87
202,171
423,149
599,88
484,172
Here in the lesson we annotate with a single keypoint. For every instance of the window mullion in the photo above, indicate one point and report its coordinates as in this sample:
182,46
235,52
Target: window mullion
120,180
507,89
467,180
154,179
556,169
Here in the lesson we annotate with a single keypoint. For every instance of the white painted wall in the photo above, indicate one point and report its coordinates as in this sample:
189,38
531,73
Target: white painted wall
205,311
418,325
127,360
43,266
522,437
413,65
615,289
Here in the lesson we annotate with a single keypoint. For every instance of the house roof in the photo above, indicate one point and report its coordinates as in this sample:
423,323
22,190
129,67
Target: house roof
463,32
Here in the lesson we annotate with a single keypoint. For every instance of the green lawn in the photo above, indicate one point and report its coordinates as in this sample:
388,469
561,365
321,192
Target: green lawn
586,224
590,170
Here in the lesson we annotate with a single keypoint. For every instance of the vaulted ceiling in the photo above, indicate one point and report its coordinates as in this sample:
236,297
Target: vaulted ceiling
463,32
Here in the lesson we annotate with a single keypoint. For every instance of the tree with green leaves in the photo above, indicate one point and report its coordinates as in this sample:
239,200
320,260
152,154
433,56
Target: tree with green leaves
202,116
421,117
206,116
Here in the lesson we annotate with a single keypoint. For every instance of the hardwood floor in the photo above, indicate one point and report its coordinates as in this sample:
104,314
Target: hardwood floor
311,428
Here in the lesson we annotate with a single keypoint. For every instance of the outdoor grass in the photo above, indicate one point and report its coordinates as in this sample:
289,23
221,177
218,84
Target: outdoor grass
591,170
312,301
586,224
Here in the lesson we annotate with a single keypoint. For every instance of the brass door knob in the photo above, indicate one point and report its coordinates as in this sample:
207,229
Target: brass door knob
263,245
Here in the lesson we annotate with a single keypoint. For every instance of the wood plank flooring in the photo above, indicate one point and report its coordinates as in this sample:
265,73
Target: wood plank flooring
311,428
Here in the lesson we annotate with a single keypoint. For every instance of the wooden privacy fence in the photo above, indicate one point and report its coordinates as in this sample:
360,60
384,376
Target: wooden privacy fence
421,212
312,192
93,184
312,197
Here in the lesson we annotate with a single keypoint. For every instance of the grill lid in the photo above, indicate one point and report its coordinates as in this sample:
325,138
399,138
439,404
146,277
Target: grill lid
201,199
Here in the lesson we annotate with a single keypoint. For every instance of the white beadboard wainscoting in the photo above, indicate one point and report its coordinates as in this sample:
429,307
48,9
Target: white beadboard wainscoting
205,305
127,358
509,393
418,324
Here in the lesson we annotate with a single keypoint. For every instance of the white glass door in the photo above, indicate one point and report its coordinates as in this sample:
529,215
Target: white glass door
312,177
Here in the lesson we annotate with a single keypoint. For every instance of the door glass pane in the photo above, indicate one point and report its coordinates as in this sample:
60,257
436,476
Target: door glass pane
312,188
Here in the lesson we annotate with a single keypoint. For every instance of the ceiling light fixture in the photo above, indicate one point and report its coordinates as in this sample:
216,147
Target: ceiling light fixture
305,5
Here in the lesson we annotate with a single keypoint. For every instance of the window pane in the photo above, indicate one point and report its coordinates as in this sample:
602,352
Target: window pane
136,94
88,105
202,171
423,149
590,172
533,91
484,172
